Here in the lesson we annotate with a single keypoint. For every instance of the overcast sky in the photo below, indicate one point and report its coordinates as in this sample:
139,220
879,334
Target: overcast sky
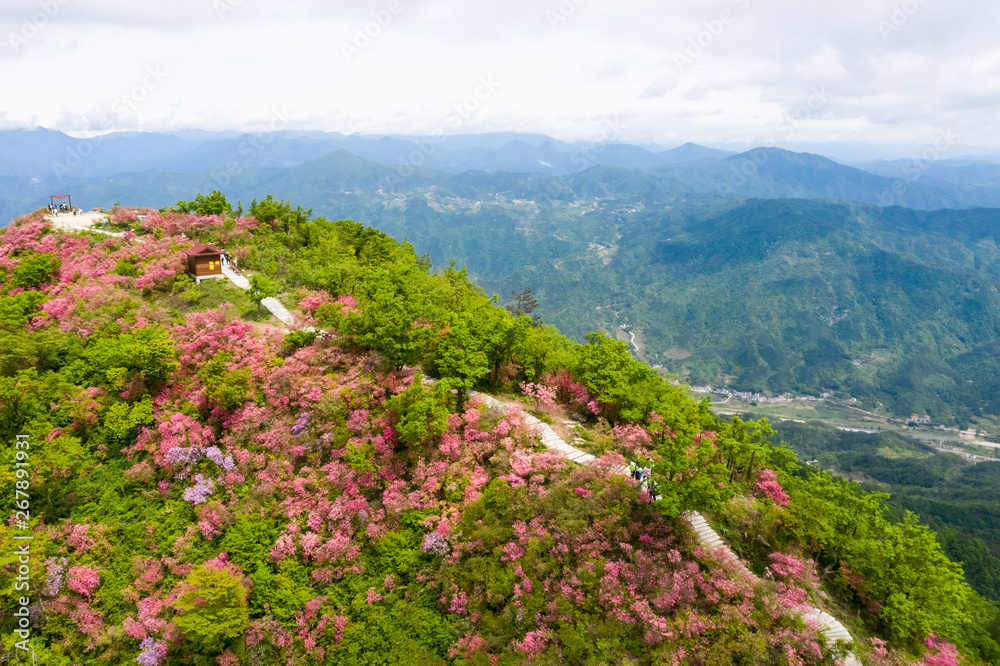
725,71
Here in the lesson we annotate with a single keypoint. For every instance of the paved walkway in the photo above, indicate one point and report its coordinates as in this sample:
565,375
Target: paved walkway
827,624
277,309
236,278
272,304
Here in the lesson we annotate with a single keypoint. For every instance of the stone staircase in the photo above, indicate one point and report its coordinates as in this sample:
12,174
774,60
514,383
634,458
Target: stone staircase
270,303
236,278
828,625
277,309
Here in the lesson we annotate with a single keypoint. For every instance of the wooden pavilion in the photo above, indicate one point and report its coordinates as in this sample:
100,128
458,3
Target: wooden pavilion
204,262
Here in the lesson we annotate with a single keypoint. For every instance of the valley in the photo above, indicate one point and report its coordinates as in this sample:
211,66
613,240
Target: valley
844,415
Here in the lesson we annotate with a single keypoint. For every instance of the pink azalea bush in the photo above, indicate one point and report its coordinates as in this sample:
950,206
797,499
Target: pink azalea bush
767,484
83,580
634,440
570,394
545,396
940,652
631,571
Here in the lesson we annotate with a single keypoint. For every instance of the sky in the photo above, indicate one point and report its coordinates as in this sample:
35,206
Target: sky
725,72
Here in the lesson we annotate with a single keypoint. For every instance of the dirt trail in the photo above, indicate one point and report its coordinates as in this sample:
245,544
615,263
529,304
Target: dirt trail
71,222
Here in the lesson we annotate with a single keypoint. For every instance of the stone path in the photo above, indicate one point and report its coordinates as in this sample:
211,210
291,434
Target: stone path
236,278
277,309
272,304
827,624
707,537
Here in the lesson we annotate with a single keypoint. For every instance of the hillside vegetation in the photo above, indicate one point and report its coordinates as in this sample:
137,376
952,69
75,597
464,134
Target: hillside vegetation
203,488
959,499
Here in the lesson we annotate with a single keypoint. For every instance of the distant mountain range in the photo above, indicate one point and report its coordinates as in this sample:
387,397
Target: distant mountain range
45,153
164,167
966,172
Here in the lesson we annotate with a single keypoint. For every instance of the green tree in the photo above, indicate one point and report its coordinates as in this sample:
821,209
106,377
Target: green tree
691,478
370,246
206,204
459,357
123,421
261,287
211,609
150,351
545,349
35,270
920,588
268,211
126,267
15,310
504,336
744,445
420,414
523,304
146,352
607,369
391,301
228,388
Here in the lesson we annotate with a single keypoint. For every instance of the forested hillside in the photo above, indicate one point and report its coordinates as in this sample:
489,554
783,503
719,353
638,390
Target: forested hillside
888,305
205,487
959,499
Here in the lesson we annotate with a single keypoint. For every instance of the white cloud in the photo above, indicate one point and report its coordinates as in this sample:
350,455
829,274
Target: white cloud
726,72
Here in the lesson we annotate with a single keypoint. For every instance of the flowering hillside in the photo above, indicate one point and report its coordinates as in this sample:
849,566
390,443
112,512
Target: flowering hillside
204,488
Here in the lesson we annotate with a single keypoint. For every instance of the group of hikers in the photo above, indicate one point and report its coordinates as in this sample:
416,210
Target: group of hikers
228,261
644,476
62,208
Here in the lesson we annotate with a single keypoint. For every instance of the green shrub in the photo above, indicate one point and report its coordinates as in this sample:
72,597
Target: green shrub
212,608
